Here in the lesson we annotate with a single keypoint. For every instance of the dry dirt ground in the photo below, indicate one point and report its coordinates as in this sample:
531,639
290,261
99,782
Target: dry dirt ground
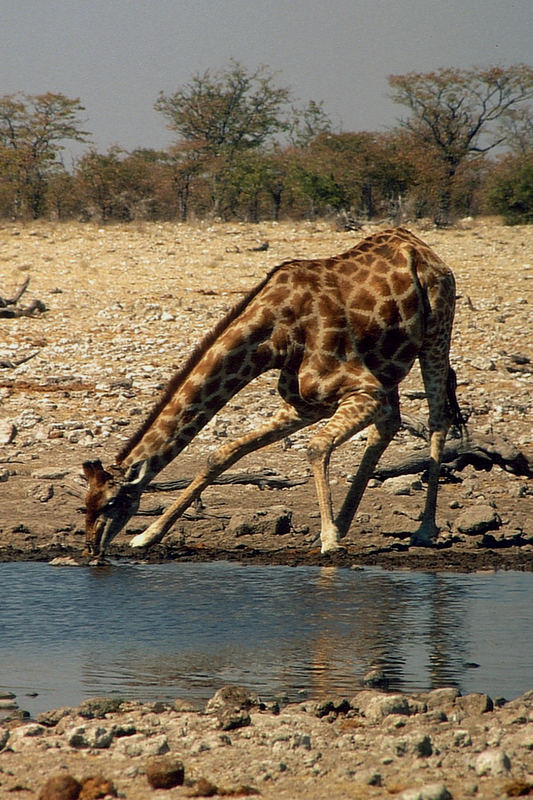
126,303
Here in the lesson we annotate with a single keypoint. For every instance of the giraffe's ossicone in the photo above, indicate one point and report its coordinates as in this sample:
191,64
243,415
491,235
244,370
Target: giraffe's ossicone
343,332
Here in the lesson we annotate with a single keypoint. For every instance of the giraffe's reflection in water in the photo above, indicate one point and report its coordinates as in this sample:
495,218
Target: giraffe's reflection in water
181,629
309,630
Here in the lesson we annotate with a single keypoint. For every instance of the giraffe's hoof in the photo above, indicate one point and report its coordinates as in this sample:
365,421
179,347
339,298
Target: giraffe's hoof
421,540
327,550
139,541
99,561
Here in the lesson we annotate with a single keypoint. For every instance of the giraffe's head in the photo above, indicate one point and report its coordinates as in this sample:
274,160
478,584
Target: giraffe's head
112,499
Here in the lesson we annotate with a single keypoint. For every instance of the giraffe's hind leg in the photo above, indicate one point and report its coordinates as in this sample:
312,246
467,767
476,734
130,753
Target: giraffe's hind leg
434,366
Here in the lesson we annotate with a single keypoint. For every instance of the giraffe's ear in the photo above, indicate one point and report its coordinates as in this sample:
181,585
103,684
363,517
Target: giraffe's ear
93,470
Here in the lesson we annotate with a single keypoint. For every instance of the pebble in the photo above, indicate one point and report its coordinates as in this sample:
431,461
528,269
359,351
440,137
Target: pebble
374,739
8,431
402,485
60,787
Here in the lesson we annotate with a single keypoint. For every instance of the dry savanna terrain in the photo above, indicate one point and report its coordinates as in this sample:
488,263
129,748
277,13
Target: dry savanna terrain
125,304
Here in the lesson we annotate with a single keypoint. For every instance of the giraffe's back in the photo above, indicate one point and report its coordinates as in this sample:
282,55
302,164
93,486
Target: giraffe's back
370,308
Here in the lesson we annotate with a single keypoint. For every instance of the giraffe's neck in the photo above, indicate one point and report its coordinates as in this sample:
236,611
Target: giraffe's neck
237,356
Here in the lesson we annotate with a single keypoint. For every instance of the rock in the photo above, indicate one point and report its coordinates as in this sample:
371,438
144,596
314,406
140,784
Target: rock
8,704
96,787
375,679
96,737
442,698
183,705
461,738
431,791
65,561
51,718
42,492
165,773
368,777
475,703
22,738
203,788
98,707
49,473
331,705
275,520
492,762
141,745
33,729
4,736
483,364
401,485
377,706
231,719
231,696
60,787
420,745
477,520
231,704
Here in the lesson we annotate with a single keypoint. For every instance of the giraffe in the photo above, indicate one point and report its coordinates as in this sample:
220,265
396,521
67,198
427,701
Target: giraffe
343,333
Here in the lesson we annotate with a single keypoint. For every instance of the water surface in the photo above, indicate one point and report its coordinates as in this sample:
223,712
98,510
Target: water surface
183,630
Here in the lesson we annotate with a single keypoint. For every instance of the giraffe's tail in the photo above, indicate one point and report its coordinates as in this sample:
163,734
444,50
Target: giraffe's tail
454,409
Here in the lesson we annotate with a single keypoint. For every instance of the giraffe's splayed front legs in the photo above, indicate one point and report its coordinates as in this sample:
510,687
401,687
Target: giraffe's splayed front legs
286,421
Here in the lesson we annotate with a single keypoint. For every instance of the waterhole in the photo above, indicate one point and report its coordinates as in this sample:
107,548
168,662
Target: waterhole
183,630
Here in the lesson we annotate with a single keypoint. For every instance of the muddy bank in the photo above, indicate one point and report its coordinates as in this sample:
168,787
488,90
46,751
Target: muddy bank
399,557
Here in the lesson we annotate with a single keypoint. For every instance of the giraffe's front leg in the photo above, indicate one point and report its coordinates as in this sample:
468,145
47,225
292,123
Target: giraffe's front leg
153,534
354,413
158,529
286,421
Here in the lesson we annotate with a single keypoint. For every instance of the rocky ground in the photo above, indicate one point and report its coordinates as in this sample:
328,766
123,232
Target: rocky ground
124,305
431,746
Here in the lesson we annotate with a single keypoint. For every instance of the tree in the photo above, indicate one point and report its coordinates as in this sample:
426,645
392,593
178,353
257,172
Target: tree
360,172
308,123
227,111
457,114
518,128
223,114
32,131
510,191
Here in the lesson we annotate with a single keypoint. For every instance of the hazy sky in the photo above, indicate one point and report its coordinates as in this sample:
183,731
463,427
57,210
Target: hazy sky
117,55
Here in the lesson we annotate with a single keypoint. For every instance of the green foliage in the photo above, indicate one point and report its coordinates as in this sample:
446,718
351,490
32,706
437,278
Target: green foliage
511,192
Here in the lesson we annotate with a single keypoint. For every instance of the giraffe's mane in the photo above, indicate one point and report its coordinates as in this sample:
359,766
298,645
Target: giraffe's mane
192,361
